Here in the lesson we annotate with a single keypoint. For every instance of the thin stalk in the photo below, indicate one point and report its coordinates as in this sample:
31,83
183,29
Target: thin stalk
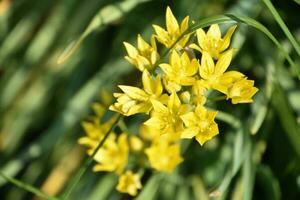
282,25
87,163
27,187
218,98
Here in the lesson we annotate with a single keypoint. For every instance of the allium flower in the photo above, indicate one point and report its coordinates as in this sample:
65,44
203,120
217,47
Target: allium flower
164,156
135,100
136,144
145,56
95,130
211,72
174,31
241,91
200,124
113,155
236,87
166,118
212,42
198,91
129,183
180,70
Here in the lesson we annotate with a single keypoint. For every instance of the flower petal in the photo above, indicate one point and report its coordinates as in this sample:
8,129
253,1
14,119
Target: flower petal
134,92
171,22
214,32
224,62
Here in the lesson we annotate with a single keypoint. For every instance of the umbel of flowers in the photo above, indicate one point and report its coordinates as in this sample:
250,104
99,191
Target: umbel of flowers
172,95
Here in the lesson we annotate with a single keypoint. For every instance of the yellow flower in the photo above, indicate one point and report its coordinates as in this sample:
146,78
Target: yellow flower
198,93
211,42
129,183
164,156
181,69
95,130
242,91
145,56
185,97
135,100
174,31
136,144
148,133
211,72
113,155
166,118
236,87
200,124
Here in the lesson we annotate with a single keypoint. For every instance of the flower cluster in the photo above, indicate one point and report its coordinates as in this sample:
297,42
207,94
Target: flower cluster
173,94
113,156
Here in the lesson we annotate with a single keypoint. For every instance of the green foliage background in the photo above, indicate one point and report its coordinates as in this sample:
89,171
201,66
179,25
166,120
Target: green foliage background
255,156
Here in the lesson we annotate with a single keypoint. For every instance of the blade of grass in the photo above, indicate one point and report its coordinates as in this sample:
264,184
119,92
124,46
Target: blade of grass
255,24
198,187
238,158
150,190
103,188
27,187
282,25
286,117
297,1
87,163
229,119
263,103
105,16
268,182
248,173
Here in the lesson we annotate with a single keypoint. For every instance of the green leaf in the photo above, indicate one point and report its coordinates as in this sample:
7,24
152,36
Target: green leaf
105,16
286,117
267,181
297,1
27,187
253,23
149,191
200,192
261,103
183,193
103,188
282,25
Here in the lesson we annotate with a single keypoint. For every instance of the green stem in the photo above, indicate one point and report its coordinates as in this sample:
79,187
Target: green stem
87,162
27,187
282,25
219,98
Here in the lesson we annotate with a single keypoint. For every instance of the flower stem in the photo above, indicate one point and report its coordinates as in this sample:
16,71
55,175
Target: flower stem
219,98
87,163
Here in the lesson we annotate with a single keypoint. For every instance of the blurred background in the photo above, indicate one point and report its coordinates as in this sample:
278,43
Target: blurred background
56,56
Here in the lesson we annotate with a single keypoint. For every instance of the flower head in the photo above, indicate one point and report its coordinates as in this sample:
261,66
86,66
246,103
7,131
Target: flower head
200,124
241,91
145,56
212,42
211,72
164,156
95,130
113,155
165,118
181,69
135,100
174,31
129,183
